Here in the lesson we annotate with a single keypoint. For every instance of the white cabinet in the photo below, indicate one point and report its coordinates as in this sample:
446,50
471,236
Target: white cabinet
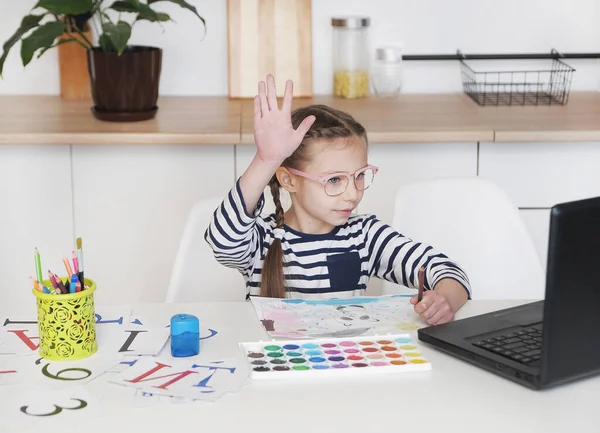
540,175
35,210
131,204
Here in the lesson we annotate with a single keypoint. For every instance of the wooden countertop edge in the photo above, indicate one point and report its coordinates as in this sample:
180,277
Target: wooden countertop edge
208,120
430,136
119,138
108,138
546,136
414,137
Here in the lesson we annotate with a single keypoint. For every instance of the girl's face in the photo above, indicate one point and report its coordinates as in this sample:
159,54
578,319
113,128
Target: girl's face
313,211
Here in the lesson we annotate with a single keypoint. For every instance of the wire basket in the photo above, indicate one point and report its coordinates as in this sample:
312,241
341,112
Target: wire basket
521,87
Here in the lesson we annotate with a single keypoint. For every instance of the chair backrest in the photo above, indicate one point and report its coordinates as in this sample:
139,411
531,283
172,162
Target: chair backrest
474,222
196,275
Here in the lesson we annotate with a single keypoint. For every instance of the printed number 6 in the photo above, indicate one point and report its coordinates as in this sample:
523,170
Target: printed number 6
85,371
56,411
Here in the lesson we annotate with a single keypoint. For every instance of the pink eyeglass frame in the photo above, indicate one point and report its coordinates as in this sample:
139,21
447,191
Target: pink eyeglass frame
325,177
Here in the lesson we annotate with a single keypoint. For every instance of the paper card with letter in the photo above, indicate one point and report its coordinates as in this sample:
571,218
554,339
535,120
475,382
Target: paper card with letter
183,378
111,323
19,333
11,370
43,410
145,399
139,340
42,373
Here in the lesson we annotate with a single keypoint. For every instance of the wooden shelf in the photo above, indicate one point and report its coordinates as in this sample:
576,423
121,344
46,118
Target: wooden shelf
180,120
220,120
408,118
579,120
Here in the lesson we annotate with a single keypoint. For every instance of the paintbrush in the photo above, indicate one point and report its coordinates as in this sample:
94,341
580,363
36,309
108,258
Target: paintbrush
421,283
80,262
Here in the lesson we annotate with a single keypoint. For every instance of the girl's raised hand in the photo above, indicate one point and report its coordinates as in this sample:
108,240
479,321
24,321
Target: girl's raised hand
275,137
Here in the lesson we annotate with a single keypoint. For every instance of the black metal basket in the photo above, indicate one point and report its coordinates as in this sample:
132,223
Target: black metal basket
520,87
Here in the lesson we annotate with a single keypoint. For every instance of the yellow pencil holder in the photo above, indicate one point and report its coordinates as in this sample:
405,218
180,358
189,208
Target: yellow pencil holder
67,323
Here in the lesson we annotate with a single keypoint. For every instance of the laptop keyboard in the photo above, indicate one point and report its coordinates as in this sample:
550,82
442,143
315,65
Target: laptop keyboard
521,346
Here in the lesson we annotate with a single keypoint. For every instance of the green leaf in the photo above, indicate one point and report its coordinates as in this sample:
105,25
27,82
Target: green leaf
43,37
125,6
157,16
28,23
106,44
66,7
105,15
144,11
184,5
118,34
60,42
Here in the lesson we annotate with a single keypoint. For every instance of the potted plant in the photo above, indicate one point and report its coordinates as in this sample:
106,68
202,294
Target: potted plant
124,78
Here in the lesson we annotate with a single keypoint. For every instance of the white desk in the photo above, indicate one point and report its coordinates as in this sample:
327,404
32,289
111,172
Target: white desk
452,397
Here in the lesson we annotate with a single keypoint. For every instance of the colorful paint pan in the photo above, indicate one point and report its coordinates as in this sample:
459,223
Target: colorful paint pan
310,346
332,356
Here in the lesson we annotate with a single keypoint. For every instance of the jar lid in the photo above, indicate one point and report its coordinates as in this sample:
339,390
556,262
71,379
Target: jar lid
388,54
351,22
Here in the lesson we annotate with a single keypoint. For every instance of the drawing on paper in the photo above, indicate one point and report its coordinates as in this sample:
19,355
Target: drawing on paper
299,318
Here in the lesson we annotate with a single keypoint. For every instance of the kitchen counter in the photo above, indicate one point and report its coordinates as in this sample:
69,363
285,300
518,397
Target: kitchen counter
220,120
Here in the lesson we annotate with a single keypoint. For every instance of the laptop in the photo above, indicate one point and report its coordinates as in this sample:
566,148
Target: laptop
549,342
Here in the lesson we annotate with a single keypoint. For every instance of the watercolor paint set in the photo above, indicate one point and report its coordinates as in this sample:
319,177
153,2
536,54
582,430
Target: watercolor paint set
332,356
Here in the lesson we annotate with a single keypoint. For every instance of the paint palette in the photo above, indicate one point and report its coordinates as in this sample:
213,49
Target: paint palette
374,354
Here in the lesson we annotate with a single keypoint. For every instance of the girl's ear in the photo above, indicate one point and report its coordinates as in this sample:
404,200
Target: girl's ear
286,179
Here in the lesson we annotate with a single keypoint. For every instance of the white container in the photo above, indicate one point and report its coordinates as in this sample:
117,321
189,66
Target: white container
350,56
386,72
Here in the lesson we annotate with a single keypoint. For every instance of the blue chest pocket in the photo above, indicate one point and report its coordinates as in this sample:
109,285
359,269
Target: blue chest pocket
344,271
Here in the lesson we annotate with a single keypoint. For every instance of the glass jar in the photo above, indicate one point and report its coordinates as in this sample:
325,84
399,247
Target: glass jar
386,73
350,56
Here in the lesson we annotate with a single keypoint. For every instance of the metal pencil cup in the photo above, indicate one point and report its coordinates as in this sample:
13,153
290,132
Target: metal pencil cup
67,323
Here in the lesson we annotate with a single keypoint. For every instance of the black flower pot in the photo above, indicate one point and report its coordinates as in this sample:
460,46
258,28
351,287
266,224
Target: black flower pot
125,87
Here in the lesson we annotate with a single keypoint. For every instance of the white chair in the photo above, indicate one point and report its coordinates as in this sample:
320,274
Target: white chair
474,222
197,276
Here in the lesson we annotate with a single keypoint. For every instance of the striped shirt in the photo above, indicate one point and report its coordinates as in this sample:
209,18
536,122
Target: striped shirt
337,264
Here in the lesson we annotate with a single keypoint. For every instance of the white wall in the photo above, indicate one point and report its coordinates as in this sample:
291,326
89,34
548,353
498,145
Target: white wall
115,210
197,67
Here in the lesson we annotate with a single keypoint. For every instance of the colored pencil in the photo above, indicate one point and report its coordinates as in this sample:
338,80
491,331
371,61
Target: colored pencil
38,265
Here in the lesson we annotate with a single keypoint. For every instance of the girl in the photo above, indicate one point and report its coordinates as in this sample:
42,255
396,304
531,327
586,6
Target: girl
318,249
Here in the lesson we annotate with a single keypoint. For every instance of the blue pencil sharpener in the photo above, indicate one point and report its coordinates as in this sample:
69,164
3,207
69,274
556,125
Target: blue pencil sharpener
185,335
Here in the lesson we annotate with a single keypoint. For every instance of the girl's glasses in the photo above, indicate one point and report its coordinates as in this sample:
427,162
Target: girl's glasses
336,183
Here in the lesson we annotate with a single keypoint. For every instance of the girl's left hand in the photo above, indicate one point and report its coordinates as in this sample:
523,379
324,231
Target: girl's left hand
434,308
